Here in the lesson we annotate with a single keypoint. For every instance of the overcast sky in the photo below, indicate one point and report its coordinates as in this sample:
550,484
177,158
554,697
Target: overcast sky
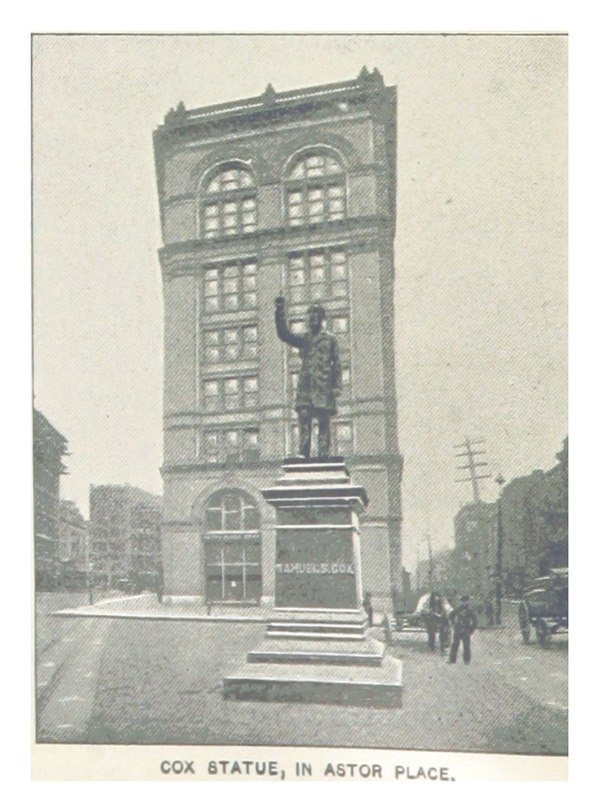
481,247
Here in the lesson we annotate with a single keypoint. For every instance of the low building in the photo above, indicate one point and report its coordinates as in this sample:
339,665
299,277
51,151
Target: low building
49,448
125,536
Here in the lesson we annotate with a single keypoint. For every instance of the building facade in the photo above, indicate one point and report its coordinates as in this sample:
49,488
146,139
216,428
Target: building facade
535,523
49,448
475,550
73,550
125,530
289,193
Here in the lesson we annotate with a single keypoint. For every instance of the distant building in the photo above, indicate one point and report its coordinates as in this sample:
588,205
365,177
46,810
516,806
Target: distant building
49,448
474,556
125,532
291,192
535,519
73,550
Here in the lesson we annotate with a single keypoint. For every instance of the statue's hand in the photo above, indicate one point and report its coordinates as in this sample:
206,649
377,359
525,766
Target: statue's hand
280,302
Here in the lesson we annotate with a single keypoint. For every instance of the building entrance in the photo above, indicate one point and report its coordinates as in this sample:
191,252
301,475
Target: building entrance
232,547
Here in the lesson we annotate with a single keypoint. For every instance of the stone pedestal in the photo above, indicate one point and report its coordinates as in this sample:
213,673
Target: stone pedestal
317,647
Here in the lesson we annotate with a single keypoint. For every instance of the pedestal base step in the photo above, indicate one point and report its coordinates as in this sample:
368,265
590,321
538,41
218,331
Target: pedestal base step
322,684
327,627
331,652
313,635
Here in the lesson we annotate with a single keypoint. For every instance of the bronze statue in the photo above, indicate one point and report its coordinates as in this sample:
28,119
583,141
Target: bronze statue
320,379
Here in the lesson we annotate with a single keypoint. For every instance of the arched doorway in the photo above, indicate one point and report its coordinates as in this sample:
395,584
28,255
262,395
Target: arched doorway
232,548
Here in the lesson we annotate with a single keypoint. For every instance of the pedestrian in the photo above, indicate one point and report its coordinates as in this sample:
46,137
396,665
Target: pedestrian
464,623
433,613
368,607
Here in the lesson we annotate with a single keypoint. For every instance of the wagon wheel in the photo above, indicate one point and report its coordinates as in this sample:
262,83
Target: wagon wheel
524,621
542,632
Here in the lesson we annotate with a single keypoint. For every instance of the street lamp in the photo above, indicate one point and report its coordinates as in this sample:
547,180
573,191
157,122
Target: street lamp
500,482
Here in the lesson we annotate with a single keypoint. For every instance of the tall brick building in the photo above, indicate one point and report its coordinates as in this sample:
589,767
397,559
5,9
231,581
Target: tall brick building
289,192
49,448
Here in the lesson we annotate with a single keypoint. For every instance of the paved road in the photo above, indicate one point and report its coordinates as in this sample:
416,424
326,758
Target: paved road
156,681
67,671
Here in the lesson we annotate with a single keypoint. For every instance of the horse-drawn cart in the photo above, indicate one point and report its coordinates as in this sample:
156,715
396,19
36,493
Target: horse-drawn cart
545,607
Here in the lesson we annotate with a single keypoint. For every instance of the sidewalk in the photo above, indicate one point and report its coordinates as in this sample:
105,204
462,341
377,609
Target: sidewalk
147,607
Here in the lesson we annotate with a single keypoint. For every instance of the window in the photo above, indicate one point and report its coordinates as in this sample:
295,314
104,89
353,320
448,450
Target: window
230,287
343,438
231,344
315,189
228,202
230,445
232,547
340,325
317,275
230,394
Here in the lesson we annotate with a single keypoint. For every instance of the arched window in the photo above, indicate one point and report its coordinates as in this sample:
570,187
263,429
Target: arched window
232,548
228,202
231,511
315,189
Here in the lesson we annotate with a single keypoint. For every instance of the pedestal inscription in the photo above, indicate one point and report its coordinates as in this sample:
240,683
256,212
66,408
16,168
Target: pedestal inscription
314,568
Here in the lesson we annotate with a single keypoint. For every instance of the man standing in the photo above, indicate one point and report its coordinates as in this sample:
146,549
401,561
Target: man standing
435,620
320,380
464,623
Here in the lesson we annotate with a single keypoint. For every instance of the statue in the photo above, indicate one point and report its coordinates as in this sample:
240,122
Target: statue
320,379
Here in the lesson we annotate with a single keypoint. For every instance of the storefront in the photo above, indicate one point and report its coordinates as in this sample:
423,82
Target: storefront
232,548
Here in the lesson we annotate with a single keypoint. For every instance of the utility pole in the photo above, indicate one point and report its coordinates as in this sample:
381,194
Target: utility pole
430,555
472,464
500,482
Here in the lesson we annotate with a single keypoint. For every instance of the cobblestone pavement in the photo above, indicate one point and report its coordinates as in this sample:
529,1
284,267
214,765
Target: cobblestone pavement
155,681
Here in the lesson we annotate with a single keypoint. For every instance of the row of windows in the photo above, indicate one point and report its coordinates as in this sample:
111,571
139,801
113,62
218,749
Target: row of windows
243,444
241,343
311,276
317,275
230,394
230,287
315,192
231,344
229,445
235,393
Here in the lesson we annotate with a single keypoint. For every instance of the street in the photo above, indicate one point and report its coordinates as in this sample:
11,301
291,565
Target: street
132,681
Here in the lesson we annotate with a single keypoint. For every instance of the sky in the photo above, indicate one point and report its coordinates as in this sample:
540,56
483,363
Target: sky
480,252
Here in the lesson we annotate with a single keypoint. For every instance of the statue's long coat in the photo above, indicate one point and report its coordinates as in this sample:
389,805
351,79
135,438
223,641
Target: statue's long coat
321,371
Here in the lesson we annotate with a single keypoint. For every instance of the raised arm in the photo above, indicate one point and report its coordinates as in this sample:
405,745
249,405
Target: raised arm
281,326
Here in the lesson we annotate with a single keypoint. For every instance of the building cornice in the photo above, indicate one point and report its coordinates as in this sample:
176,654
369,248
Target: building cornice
181,258
270,106
387,461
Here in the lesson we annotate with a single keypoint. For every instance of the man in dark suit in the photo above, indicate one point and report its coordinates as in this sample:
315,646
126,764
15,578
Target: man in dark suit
464,623
320,380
